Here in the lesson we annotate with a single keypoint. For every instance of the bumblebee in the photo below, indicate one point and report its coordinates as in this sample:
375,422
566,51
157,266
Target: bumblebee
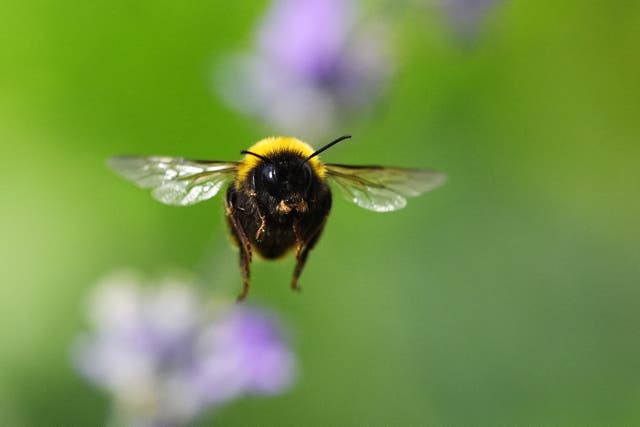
279,198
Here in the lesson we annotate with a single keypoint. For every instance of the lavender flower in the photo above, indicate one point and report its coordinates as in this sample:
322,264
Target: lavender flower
313,61
166,357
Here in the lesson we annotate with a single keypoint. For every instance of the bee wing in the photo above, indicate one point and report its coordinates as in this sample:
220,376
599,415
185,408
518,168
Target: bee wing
173,180
382,189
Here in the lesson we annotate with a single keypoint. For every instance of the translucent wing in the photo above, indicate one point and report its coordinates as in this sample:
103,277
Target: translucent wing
173,180
382,189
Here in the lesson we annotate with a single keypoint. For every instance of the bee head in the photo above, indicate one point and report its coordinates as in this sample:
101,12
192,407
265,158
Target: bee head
285,177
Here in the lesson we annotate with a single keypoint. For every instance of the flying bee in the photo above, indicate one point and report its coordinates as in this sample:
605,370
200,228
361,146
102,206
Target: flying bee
279,198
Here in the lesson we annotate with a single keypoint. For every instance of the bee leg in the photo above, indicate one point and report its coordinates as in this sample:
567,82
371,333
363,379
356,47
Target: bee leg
244,268
301,258
245,256
302,252
263,225
245,248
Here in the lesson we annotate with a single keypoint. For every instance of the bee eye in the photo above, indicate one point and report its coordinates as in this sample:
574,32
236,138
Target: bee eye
306,174
269,174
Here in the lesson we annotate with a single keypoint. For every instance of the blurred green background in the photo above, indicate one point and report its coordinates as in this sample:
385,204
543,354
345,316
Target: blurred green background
509,296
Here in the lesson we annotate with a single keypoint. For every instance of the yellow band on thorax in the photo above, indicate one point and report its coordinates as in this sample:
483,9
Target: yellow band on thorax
274,145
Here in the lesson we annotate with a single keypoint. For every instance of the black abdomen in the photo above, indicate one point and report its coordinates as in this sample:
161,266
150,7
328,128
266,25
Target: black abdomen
280,232
275,242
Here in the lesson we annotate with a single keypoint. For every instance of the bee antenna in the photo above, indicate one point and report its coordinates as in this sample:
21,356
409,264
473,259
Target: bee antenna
326,147
256,155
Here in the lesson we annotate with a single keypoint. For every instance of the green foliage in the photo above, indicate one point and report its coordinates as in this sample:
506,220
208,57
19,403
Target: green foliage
509,296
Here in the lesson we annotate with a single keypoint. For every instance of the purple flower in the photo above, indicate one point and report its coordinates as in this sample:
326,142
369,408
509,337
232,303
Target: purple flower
313,61
165,356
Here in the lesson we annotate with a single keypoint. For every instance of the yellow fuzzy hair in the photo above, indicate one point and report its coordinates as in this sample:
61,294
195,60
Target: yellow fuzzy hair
274,145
